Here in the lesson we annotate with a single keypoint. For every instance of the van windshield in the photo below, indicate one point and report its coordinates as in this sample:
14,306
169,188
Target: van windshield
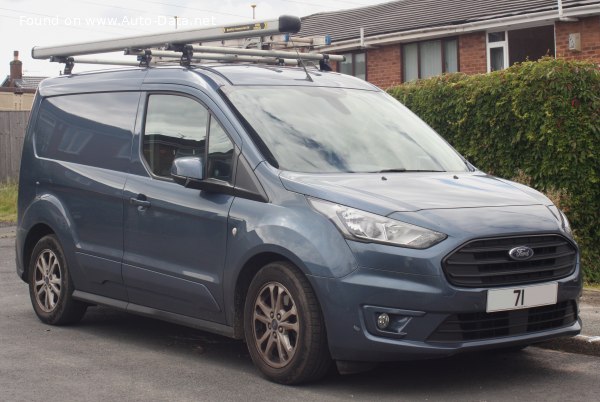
329,130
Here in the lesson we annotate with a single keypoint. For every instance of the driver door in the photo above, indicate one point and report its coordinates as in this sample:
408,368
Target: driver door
175,237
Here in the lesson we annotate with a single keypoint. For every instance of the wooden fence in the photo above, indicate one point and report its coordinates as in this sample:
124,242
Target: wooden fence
12,132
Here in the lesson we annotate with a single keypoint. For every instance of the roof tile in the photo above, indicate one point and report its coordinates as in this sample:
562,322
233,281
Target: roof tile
405,15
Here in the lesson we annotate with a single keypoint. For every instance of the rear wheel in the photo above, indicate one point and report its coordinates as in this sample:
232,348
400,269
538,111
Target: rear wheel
284,327
50,285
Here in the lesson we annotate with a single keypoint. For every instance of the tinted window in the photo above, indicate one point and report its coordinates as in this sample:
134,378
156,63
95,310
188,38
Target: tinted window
220,153
530,44
175,126
317,129
91,129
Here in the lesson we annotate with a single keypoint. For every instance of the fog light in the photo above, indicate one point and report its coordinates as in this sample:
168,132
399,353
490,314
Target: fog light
383,320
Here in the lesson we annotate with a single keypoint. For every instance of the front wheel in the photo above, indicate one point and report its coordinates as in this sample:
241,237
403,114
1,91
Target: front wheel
50,285
284,327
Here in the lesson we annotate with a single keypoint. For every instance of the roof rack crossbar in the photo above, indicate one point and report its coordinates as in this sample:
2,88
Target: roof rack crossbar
95,60
267,53
172,56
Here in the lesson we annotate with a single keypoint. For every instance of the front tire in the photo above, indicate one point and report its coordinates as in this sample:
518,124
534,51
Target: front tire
50,285
284,326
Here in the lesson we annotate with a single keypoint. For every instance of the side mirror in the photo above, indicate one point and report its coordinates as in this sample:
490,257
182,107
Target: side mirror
188,171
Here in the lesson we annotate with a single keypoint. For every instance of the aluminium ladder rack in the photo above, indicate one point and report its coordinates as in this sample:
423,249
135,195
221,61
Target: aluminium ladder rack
228,43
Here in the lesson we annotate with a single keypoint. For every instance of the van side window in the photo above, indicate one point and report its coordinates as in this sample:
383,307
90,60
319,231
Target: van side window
89,129
220,153
175,127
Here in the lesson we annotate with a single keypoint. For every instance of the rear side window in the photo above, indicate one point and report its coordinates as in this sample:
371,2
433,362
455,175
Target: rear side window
90,129
175,126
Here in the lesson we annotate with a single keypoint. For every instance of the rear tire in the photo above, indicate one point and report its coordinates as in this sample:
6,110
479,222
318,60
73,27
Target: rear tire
50,285
284,326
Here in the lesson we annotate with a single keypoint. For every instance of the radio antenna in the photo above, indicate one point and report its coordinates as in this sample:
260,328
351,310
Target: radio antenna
308,77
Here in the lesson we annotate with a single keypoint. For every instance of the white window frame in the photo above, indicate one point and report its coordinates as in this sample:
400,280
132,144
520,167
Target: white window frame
490,45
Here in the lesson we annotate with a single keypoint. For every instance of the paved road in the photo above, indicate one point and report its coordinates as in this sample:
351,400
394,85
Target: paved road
590,313
114,356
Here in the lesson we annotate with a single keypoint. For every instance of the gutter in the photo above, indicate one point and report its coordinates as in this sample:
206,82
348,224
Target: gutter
449,30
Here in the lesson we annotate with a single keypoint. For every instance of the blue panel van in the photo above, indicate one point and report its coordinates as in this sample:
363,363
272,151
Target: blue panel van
319,220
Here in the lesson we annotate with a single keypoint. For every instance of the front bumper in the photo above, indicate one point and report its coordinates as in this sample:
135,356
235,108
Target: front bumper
420,303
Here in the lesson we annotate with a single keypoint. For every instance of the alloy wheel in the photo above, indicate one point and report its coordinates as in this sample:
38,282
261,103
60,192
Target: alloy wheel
48,280
276,325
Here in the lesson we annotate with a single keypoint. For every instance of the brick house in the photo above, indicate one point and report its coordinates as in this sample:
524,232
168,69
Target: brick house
404,40
17,91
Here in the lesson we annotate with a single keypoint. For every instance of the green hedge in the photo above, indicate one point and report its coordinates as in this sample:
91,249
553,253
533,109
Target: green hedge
536,122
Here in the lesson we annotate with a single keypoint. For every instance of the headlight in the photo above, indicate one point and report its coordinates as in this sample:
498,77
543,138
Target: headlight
360,225
562,218
565,223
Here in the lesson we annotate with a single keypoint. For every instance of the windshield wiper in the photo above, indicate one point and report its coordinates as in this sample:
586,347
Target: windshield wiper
406,170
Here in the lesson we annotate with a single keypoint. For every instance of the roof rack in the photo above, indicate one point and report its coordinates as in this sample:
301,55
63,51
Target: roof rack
252,42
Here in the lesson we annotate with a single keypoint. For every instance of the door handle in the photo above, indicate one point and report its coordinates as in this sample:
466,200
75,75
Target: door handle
140,201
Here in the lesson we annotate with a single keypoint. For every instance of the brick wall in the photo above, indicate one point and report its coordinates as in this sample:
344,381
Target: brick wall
383,66
589,29
472,53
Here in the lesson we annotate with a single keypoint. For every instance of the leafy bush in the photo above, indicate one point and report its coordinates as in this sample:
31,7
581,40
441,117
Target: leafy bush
537,122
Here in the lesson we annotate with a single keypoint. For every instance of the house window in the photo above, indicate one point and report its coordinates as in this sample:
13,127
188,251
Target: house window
429,58
355,64
497,49
506,48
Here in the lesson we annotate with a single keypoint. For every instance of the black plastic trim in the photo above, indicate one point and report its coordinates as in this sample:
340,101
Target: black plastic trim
289,24
162,315
545,273
247,183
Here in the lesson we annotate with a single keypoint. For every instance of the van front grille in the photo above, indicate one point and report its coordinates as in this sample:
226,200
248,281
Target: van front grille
487,263
476,326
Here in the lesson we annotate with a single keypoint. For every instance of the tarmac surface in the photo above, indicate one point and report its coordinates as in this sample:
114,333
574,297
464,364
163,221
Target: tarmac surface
588,342
112,355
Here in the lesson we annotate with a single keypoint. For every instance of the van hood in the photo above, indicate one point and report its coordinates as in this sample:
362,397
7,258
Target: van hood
410,192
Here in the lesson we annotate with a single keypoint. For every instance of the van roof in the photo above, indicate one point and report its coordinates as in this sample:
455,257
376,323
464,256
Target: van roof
215,75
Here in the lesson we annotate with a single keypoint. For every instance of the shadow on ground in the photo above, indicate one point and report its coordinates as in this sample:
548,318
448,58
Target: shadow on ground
476,372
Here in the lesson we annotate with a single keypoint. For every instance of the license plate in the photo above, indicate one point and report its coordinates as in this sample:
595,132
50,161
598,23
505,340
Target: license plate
521,297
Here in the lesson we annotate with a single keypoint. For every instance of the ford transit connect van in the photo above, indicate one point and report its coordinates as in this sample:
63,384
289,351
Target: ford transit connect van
320,220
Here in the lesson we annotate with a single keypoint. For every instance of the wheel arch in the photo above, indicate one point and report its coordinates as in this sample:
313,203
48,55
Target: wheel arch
46,215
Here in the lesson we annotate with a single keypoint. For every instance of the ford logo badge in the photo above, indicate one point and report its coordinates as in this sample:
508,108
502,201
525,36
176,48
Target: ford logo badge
521,253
